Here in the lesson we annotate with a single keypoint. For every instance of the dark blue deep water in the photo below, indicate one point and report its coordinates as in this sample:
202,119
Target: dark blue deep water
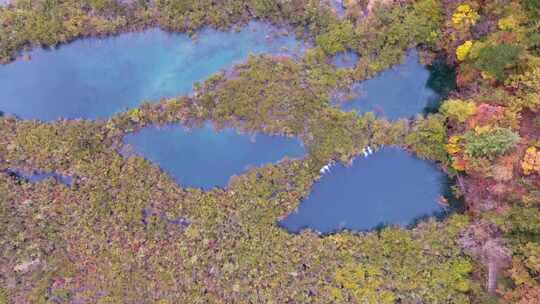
399,92
388,187
206,158
96,78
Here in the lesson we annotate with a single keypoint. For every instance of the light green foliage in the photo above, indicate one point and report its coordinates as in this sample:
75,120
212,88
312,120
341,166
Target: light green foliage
279,95
428,138
379,266
489,143
383,36
3,296
527,87
339,38
458,110
364,282
524,221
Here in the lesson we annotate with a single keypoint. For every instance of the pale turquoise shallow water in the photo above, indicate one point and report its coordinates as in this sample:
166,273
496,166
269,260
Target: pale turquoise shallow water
205,158
96,78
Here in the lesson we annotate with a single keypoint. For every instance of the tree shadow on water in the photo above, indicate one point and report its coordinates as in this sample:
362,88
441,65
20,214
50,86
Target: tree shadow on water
442,80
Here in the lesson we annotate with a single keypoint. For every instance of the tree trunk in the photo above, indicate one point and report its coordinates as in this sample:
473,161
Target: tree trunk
492,276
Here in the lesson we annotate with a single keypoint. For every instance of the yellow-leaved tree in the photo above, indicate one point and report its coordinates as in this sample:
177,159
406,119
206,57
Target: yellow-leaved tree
531,161
463,50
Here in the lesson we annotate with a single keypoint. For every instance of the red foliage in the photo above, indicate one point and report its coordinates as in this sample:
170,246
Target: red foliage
485,114
528,127
506,37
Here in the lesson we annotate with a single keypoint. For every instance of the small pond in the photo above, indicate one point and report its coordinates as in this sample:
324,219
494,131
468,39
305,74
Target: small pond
399,92
345,60
389,186
337,6
96,78
39,176
205,158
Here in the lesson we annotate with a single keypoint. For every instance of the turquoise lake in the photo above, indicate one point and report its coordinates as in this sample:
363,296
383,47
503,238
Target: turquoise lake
399,92
96,78
205,158
388,187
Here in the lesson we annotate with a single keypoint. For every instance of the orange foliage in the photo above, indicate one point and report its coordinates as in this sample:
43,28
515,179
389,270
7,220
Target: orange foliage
506,37
464,78
453,145
531,161
524,294
530,295
459,164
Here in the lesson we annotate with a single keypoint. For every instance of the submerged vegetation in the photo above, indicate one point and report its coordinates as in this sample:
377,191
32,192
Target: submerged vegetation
125,232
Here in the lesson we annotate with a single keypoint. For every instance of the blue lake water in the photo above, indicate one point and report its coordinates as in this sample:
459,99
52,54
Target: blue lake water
337,6
206,158
96,78
388,187
345,59
399,92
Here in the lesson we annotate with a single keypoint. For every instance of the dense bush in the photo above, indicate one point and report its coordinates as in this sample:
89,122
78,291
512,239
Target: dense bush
495,59
458,110
340,37
428,138
489,142
532,8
